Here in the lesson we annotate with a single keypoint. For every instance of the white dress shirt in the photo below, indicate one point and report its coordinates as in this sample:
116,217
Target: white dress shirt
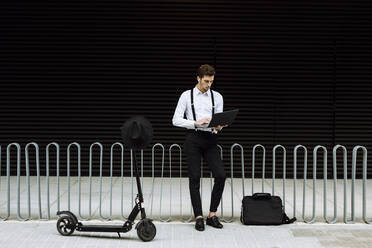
202,105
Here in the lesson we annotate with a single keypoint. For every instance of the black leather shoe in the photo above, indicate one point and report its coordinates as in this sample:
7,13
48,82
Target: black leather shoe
199,224
213,221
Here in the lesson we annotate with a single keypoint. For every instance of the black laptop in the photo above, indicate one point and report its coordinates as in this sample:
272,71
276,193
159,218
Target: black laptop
223,118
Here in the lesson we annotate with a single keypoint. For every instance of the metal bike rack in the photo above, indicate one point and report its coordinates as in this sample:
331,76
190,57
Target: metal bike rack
27,187
231,178
68,176
304,191
354,158
263,166
153,171
345,177
37,175
284,171
180,162
332,221
170,188
314,183
121,176
8,174
344,151
100,179
19,187
47,176
295,173
1,218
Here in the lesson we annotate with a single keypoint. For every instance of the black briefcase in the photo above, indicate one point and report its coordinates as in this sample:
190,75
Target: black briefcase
263,209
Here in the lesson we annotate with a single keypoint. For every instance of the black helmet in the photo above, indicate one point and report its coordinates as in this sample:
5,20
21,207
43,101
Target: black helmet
136,132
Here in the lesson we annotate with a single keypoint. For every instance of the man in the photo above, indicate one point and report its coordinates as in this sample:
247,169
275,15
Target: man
199,104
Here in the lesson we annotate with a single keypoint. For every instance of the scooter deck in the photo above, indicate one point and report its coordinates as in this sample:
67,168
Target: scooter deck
101,228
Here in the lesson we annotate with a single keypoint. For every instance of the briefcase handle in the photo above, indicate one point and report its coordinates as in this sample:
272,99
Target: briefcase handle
263,196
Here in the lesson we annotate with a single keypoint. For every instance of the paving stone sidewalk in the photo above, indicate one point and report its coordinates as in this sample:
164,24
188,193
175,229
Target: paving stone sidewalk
176,234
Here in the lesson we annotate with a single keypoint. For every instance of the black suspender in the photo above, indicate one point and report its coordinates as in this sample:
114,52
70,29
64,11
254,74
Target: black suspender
212,102
192,103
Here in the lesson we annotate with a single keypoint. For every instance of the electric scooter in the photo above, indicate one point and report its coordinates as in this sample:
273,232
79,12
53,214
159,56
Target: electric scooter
146,230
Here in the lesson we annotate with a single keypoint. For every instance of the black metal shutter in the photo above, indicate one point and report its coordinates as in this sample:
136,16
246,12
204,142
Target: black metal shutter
76,70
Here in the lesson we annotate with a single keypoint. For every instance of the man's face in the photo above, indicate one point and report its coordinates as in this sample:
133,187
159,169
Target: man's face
205,82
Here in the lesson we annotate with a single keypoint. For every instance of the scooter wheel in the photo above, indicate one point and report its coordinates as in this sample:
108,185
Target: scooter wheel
146,231
65,225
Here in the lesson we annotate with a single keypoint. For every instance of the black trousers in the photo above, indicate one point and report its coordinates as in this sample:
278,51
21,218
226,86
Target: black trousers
198,144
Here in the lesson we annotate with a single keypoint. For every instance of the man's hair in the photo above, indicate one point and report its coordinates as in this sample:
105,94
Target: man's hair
205,70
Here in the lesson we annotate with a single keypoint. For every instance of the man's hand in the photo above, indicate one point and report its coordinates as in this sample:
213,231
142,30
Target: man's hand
202,122
219,127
